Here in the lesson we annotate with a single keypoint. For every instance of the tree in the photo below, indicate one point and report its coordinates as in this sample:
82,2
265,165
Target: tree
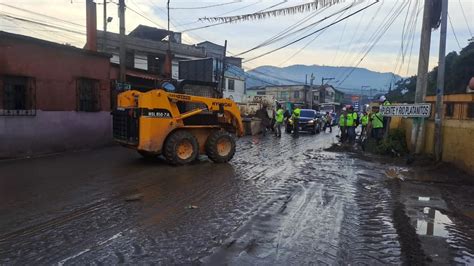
459,70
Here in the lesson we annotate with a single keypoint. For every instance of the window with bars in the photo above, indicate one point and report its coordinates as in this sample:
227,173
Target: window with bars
88,95
17,94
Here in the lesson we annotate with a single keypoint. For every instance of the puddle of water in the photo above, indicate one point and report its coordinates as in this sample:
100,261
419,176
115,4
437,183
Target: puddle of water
434,223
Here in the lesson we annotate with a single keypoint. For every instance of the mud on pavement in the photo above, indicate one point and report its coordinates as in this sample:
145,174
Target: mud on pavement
280,201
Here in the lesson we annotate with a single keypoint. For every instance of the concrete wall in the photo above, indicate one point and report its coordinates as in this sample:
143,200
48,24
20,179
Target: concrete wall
457,140
53,131
239,90
55,70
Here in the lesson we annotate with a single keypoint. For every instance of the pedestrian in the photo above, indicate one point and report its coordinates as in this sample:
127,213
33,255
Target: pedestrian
342,125
350,125
386,120
364,121
279,116
296,119
376,121
327,122
265,120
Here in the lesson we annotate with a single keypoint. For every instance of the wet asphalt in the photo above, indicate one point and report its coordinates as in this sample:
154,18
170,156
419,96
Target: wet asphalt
279,201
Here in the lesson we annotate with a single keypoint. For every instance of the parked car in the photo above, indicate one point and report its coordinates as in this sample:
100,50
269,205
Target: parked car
309,121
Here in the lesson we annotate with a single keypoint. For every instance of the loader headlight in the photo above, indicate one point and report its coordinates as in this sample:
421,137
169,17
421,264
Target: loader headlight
311,122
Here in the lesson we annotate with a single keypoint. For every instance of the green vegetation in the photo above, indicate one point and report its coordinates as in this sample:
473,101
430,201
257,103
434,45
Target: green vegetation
395,144
459,70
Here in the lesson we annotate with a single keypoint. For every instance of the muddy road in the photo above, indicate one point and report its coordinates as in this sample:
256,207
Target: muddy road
279,201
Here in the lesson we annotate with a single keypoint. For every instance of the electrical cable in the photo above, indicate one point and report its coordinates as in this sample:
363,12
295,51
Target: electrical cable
307,44
454,33
465,19
209,6
375,41
310,34
289,30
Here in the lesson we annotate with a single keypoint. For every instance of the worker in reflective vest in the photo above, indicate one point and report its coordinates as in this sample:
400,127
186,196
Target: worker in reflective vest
386,120
296,120
278,120
376,120
351,124
342,124
364,121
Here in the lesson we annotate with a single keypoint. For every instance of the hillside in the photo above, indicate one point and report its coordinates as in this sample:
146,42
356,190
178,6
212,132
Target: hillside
459,71
267,75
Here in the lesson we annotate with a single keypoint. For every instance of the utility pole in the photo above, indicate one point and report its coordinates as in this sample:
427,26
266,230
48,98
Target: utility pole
223,69
417,134
168,71
122,41
440,90
104,44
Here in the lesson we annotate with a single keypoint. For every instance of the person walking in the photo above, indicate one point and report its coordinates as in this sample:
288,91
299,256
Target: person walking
327,122
342,124
296,120
279,116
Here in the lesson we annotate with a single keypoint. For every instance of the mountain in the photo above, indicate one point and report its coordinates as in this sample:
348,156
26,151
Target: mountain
294,74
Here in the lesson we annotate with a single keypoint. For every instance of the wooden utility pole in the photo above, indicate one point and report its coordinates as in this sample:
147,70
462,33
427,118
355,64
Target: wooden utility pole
440,86
417,134
104,44
122,41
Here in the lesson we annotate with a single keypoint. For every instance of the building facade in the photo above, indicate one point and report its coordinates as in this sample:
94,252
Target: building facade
146,50
297,94
53,97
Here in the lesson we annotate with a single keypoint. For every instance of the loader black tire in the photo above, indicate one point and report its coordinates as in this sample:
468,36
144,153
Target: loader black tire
181,147
220,146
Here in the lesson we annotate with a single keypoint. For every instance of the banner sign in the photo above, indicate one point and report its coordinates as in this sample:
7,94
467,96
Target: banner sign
407,110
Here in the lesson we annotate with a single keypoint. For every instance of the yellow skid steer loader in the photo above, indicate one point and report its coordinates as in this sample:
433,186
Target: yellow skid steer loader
178,126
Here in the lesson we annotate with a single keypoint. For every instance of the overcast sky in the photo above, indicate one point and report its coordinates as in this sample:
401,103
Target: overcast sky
339,45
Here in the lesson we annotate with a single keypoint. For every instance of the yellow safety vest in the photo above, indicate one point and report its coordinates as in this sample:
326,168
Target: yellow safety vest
279,116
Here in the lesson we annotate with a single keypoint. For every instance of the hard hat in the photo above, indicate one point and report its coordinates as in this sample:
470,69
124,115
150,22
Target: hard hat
383,98
344,109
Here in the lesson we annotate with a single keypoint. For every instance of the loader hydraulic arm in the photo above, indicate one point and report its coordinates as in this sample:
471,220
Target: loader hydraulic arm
226,106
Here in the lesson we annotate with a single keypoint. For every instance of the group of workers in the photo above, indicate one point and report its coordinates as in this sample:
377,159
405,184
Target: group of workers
280,116
349,120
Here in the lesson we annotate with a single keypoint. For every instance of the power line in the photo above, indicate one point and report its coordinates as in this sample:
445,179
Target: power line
310,34
465,19
379,33
454,33
209,6
43,15
289,30
307,44
145,17
6,15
